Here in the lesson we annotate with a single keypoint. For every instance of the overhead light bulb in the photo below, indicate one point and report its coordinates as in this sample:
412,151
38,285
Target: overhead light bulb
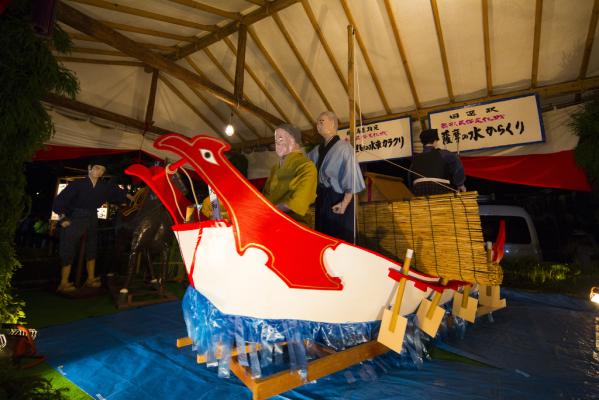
230,129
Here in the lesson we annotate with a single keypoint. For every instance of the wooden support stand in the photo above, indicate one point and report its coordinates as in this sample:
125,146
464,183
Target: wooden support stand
464,306
489,299
263,388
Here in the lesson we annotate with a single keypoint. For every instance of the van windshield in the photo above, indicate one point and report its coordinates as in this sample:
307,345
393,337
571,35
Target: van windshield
516,228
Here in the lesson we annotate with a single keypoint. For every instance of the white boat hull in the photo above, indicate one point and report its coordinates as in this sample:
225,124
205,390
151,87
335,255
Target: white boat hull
242,284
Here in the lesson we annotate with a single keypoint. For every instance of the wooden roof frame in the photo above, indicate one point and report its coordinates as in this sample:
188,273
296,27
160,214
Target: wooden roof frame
96,29
257,15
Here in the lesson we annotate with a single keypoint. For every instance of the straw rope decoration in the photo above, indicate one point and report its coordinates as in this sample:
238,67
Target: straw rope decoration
454,249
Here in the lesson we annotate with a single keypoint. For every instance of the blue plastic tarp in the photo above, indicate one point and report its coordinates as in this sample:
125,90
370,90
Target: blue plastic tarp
540,347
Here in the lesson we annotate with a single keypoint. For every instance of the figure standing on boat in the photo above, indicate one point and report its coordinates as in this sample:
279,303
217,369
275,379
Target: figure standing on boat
435,171
339,178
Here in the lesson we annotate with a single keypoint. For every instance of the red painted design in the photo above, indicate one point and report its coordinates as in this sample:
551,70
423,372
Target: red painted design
295,252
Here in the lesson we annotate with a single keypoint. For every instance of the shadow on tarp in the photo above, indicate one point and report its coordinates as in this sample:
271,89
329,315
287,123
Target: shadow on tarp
542,346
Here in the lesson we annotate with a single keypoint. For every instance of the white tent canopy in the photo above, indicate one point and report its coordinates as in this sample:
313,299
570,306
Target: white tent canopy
296,58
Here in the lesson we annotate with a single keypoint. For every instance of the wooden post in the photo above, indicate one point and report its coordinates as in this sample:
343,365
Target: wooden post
240,65
151,100
350,82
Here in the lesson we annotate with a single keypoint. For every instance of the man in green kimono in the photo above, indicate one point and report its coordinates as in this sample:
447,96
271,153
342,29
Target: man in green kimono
291,186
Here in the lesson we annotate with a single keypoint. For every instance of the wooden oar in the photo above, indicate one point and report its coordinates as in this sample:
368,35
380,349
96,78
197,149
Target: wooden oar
393,325
464,306
429,315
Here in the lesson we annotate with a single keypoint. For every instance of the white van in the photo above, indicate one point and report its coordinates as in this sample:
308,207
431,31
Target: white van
521,240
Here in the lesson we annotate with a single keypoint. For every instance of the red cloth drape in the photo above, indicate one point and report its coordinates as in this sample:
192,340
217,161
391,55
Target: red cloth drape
54,152
553,170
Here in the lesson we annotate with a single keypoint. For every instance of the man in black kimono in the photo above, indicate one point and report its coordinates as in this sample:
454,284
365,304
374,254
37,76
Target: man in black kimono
77,208
436,170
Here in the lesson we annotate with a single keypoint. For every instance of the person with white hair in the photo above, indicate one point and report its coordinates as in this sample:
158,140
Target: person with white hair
339,178
291,186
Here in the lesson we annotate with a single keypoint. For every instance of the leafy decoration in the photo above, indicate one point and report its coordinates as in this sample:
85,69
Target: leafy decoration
28,72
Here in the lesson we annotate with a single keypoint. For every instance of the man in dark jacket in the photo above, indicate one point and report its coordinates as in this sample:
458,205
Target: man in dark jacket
436,171
77,207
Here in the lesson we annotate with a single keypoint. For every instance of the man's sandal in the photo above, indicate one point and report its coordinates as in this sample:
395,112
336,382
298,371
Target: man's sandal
66,288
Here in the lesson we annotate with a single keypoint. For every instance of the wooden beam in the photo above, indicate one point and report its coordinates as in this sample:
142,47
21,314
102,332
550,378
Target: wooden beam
258,2
86,38
572,87
402,52
143,13
208,9
103,52
351,32
442,50
239,115
240,62
250,71
536,44
363,49
100,61
281,76
249,19
151,99
101,113
91,27
193,108
149,32
588,45
232,80
301,61
487,47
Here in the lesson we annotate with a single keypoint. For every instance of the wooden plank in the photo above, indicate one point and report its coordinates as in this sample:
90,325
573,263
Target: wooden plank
364,51
103,52
487,47
588,44
244,120
262,87
91,27
100,61
86,38
402,52
202,358
350,82
286,380
324,43
442,50
183,342
536,43
146,14
282,76
249,19
209,9
193,108
151,99
101,113
240,62
149,32
302,62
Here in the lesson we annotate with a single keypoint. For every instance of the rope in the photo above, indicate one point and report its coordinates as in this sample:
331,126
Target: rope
430,214
193,191
170,184
469,236
457,245
413,172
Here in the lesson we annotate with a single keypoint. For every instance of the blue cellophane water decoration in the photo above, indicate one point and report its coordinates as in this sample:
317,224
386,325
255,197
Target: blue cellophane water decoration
289,344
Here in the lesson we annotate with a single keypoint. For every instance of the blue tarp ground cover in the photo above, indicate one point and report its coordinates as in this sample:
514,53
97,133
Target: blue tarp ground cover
541,347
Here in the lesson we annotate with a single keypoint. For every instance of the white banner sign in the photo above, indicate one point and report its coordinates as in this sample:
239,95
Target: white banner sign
382,140
501,123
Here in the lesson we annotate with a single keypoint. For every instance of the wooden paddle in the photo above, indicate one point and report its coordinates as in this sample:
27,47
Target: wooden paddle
393,325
